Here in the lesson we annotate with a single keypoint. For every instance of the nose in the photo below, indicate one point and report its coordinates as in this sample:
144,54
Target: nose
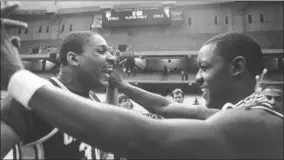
110,58
198,78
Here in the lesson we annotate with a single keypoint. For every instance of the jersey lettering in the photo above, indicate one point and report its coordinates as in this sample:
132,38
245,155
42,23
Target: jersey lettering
68,139
83,146
87,149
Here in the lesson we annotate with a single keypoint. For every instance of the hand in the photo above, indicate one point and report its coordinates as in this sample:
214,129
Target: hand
10,59
115,77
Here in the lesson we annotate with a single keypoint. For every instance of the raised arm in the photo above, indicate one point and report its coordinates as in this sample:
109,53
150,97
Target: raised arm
111,95
9,136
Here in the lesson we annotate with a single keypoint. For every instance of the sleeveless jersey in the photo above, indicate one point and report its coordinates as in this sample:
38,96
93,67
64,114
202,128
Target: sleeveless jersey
47,142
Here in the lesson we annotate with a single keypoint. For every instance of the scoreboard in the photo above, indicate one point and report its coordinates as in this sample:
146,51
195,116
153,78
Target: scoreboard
136,17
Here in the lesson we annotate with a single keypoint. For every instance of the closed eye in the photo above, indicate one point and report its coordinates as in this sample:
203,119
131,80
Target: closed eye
101,50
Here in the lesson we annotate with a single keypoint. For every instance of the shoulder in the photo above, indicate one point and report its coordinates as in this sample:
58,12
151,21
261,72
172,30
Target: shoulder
249,128
244,118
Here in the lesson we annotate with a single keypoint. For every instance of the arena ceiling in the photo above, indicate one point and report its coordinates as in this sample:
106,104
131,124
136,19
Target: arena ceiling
55,5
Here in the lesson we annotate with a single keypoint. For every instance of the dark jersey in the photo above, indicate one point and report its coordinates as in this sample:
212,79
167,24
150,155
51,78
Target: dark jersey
40,139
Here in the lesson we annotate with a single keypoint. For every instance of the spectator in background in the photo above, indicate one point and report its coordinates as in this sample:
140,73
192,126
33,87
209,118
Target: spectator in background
135,69
30,51
186,75
36,50
125,102
178,95
182,74
39,50
165,70
275,96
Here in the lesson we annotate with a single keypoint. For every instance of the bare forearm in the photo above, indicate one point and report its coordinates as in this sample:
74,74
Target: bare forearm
111,95
164,107
91,122
150,101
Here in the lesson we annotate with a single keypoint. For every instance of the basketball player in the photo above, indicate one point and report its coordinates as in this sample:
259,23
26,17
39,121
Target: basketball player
275,96
249,130
85,63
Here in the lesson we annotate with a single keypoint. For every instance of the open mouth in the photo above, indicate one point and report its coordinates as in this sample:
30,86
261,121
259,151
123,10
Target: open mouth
106,71
204,92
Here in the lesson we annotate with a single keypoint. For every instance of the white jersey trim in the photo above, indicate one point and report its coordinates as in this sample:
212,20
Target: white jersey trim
43,139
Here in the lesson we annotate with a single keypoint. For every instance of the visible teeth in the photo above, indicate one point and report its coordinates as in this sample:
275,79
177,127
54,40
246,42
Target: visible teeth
203,89
106,70
106,74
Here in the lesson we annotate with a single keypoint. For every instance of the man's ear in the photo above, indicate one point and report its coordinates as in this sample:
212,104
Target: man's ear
238,65
73,59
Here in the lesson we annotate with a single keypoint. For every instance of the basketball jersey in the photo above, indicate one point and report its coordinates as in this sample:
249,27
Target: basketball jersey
47,142
254,101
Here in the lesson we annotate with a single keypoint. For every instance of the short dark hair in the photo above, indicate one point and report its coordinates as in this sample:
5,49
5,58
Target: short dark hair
74,42
122,97
273,88
177,91
230,45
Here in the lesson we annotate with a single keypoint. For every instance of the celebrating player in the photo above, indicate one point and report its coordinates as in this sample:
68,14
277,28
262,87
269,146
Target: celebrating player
251,129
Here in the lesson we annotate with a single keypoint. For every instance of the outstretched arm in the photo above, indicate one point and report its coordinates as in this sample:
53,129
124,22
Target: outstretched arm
121,131
162,106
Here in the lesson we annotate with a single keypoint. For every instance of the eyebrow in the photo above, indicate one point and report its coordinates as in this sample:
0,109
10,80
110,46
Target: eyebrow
103,45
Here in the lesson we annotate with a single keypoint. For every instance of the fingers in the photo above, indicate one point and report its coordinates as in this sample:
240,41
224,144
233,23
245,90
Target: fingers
9,8
13,23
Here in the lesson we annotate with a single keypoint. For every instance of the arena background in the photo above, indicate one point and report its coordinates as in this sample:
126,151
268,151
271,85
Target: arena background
151,35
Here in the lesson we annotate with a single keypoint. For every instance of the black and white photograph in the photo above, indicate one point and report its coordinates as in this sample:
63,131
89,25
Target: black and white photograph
130,79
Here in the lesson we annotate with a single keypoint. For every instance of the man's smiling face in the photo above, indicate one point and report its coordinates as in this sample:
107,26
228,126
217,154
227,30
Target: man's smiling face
213,76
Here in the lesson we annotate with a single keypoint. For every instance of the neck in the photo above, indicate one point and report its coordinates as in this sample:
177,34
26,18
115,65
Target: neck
71,80
238,93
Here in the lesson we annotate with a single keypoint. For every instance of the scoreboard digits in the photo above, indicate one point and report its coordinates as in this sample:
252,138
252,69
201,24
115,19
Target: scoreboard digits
136,17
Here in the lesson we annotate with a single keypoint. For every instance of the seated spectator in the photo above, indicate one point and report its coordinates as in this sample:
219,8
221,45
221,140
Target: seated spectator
178,95
125,102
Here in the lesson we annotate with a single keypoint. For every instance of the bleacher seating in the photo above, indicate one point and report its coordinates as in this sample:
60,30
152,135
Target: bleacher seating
271,39
26,45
